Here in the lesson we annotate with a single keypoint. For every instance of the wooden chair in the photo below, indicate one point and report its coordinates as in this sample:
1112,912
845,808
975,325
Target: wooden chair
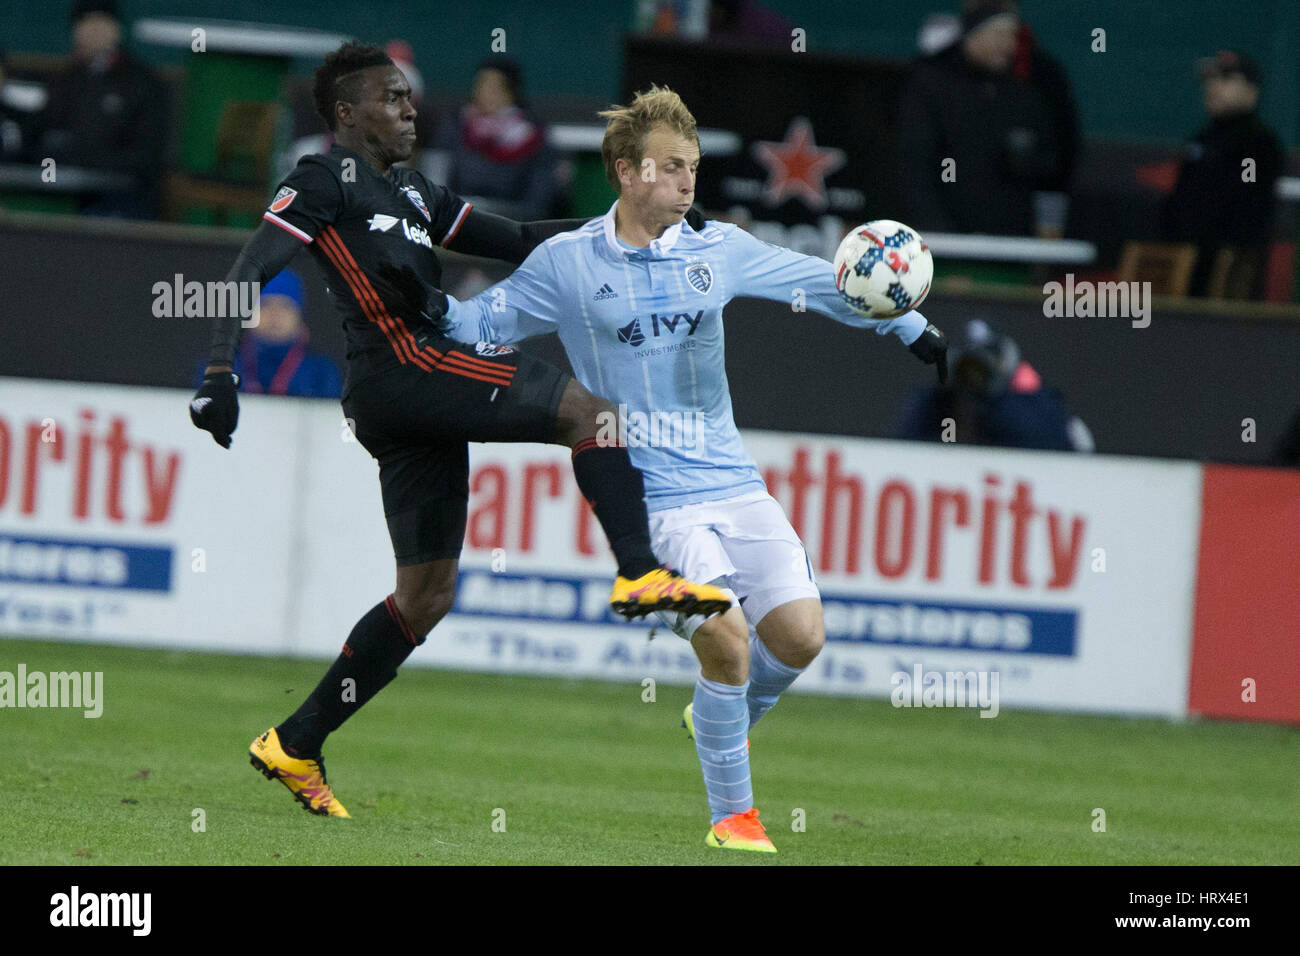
240,177
1233,274
1166,265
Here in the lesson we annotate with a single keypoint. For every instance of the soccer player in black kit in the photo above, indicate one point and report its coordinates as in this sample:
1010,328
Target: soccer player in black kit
414,397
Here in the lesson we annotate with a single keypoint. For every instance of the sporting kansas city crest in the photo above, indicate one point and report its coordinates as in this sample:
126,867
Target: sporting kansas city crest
700,276
417,201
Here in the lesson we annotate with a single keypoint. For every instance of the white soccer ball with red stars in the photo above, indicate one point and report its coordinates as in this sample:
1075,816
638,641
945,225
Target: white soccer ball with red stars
883,268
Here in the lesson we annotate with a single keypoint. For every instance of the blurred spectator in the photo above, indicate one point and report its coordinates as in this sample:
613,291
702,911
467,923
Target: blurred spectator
13,132
106,112
1044,73
1287,452
938,32
688,19
403,57
748,22
309,145
977,133
274,358
1213,205
493,151
993,398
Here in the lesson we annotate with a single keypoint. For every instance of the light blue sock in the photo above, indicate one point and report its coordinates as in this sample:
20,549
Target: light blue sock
721,725
768,679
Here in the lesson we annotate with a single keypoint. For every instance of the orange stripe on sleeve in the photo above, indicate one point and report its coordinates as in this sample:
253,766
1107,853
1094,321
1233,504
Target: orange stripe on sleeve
368,299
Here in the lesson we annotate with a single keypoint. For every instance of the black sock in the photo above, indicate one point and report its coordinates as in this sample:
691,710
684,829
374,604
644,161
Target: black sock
616,491
378,644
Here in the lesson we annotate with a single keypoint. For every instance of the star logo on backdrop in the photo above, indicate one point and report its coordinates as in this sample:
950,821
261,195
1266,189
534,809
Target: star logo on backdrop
797,167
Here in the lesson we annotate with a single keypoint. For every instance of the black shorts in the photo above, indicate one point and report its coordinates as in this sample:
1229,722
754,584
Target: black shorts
416,422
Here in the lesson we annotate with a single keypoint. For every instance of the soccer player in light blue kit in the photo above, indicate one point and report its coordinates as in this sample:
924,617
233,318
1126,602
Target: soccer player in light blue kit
637,299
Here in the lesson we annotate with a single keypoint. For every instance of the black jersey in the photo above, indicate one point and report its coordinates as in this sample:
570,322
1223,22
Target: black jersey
358,222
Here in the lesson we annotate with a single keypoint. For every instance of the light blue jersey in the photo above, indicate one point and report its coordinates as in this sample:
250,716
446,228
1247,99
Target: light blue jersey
643,329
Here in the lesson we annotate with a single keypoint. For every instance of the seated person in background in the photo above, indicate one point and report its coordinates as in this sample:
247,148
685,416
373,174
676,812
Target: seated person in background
966,105
1287,452
13,132
748,22
493,151
273,358
993,398
106,112
1212,205
937,33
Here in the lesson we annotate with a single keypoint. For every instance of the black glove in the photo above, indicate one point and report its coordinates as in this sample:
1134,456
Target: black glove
695,219
215,406
932,349
421,298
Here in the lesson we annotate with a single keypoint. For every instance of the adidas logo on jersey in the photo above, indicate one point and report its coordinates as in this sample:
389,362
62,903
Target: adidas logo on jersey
605,292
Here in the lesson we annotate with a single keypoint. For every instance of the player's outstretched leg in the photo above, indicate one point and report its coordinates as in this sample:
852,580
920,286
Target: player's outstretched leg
377,646
608,479
788,638
720,725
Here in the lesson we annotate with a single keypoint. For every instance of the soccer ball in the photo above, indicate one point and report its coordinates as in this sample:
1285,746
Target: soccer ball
883,268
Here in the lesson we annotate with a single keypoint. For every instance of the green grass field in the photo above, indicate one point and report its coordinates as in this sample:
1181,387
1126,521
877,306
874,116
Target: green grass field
588,773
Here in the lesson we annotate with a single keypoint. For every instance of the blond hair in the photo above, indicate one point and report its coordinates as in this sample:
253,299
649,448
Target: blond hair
626,130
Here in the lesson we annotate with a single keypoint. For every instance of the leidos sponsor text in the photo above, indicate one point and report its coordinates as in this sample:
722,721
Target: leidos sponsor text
105,464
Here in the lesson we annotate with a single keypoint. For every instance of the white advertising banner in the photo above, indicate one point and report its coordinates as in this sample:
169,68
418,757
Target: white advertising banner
120,521
1069,577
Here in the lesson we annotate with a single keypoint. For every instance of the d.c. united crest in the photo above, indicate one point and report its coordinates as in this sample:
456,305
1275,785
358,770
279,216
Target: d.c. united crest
417,201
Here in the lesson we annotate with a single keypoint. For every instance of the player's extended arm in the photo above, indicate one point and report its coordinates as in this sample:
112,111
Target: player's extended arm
496,237
805,282
530,301
524,304
215,407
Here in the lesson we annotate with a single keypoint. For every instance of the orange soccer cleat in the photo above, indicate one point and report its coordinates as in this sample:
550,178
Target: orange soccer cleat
740,831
